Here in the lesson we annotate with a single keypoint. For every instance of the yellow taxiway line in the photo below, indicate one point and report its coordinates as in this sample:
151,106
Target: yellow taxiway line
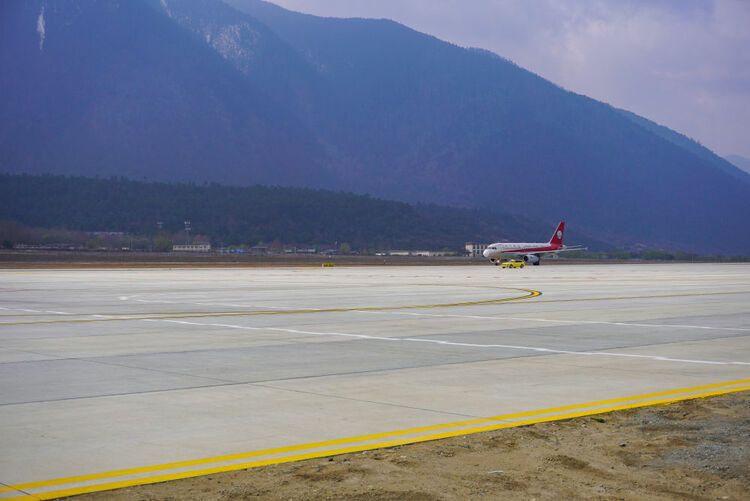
373,441
654,296
529,294
119,317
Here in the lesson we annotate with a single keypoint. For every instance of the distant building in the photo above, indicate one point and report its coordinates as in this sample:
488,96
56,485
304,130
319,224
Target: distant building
192,248
429,253
259,249
474,249
422,253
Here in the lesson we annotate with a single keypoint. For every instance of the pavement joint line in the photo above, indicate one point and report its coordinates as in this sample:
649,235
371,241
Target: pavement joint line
601,407
426,340
272,385
466,345
552,320
582,353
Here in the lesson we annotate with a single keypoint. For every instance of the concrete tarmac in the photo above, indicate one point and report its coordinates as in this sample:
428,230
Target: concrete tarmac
119,377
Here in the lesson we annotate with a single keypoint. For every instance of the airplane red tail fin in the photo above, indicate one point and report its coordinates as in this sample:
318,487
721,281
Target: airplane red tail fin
557,237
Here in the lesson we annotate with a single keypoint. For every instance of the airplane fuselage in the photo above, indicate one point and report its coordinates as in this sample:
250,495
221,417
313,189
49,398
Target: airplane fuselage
530,252
515,249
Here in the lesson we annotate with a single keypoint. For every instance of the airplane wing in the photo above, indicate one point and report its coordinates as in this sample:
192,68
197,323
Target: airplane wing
566,248
554,252
573,248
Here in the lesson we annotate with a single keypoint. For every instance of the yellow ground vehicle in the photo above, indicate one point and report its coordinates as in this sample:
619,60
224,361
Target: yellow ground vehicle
513,264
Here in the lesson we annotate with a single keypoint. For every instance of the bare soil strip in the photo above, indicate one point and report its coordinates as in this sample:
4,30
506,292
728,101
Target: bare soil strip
112,259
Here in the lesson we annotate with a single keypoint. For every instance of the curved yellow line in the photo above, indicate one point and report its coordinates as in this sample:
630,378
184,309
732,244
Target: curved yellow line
530,294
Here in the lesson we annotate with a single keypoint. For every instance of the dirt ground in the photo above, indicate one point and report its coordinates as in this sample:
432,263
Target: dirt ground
695,449
45,259
113,259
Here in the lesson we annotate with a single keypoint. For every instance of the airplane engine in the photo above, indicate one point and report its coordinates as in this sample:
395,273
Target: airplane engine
531,258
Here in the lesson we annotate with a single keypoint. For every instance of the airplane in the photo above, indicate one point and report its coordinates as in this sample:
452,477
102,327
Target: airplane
529,252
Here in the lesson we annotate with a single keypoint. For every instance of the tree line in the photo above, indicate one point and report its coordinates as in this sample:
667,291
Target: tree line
231,215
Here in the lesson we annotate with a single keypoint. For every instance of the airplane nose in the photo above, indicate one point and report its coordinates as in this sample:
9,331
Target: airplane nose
486,253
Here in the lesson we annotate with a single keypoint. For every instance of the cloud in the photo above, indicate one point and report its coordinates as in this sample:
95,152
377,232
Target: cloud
41,28
682,63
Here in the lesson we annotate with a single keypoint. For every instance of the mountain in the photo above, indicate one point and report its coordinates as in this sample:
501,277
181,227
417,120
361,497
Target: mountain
469,127
104,87
245,92
739,162
692,146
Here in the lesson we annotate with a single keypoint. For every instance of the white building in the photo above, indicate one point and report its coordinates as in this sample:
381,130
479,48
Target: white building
474,249
421,253
192,248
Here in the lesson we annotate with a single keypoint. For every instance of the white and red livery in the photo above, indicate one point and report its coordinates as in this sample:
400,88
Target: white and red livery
530,252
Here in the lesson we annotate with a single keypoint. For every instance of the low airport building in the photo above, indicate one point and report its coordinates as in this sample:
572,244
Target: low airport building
422,253
474,249
192,248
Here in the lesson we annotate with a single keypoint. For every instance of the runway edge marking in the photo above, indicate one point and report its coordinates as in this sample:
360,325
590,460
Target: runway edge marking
736,386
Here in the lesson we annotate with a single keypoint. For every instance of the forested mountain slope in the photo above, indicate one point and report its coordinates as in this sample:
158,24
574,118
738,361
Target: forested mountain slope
247,215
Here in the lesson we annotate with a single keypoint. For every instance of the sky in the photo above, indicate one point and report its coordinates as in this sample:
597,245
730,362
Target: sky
681,63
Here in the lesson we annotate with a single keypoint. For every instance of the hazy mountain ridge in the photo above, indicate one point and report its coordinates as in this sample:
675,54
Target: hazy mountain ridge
200,91
740,162
690,145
